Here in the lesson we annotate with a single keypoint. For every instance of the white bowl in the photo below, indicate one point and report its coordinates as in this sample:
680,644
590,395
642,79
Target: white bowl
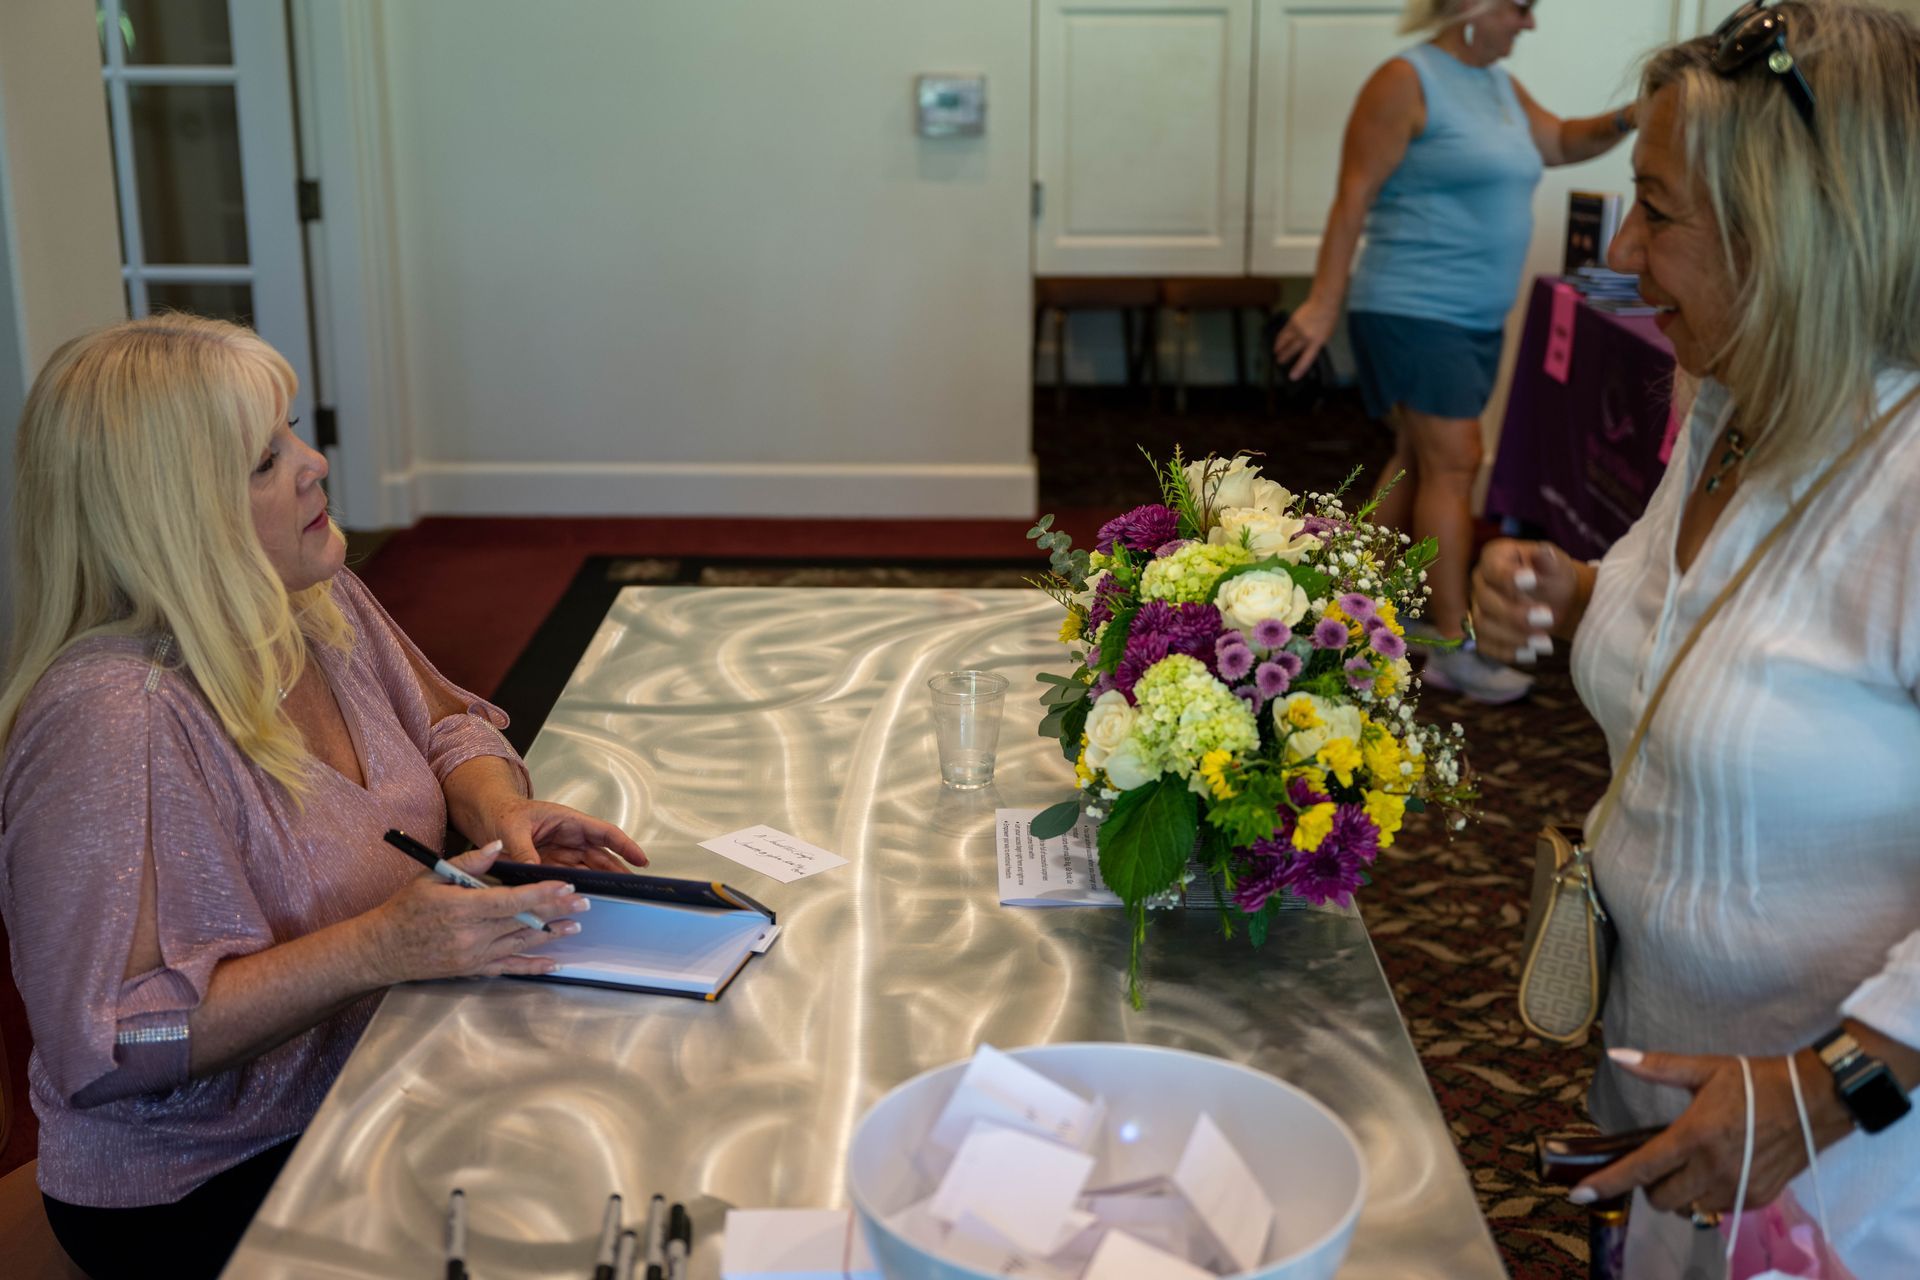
1305,1158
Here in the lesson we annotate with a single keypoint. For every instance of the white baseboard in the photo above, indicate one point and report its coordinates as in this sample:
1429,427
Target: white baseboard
928,490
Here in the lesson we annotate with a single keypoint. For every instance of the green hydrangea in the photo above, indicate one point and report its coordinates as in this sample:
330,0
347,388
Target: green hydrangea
1183,713
1187,576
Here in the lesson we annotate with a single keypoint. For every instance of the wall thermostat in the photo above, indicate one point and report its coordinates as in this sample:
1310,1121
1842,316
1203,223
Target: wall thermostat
951,106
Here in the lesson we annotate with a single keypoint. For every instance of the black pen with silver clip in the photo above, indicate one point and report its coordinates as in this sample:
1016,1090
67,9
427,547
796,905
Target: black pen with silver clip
437,864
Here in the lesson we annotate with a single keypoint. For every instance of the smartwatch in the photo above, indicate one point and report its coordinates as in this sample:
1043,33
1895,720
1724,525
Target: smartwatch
1865,1084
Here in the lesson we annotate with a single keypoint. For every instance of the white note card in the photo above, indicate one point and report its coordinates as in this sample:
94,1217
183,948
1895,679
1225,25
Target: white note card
1061,872
1000,1089
795,1244
1022,1186
1225,1195
774,853
1121,1257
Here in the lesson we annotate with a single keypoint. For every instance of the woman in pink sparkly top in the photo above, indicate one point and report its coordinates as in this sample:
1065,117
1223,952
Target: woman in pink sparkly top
208,725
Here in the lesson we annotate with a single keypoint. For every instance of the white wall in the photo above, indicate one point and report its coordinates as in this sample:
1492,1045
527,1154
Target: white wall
691,257
59,247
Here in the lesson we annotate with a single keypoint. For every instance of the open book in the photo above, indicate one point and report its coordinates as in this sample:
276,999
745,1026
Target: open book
651,933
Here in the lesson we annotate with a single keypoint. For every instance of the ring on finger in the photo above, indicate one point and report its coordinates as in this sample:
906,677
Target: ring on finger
1700,1218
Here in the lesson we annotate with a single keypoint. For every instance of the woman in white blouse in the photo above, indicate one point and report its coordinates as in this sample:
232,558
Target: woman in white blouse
1763,864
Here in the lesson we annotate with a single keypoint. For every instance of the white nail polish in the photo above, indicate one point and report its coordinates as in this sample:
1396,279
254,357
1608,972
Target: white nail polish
491,846
1583,1195
1525,579
1541,646
1539,616
1525,657
1627,1057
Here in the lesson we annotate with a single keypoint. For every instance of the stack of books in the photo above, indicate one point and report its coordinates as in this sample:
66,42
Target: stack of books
1610,291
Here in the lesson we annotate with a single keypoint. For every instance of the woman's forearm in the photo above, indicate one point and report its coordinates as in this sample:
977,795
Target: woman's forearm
1334,268
257,1002
477,791
1594,136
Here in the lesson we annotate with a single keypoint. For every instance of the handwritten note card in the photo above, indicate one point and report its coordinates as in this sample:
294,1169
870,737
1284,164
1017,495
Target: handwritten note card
774,853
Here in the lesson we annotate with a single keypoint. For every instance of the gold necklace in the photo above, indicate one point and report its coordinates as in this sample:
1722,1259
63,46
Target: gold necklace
1737,450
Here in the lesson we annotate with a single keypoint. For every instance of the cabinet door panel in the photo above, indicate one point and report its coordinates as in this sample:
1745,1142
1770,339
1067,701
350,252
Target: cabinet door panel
1313,59
1141,111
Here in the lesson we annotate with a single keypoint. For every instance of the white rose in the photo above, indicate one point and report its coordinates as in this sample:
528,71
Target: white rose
1128,768
1335,720
1232,483
1249,599
1269,535
1270,497
1108,725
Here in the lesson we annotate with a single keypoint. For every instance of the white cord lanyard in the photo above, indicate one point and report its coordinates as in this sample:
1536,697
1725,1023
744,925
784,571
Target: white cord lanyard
1746,1157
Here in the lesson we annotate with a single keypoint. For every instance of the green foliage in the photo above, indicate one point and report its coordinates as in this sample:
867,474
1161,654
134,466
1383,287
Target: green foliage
1253,813
1260,923
1177,494
1055,820
1145,839
1421,555
1067,564
1072,725
1113,641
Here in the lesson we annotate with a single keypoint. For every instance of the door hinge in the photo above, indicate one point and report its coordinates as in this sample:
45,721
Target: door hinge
1039,199
326,428
309,200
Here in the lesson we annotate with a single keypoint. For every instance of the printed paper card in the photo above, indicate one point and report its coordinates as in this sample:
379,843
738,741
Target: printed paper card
774,853
1225,1195
1022,1186
795,1244
1061,872
999,1089
1121,1257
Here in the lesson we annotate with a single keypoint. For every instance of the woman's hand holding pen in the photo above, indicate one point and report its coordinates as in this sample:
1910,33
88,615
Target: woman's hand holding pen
1306,334
1524,594
541,831
432,929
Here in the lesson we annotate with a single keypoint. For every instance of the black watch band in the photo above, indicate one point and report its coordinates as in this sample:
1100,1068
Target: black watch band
1865,1084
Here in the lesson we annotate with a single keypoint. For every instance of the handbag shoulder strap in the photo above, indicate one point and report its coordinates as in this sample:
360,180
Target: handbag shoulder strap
1779,530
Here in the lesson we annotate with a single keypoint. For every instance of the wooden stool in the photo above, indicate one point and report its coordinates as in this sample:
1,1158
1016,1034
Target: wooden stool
1135,298
1234,294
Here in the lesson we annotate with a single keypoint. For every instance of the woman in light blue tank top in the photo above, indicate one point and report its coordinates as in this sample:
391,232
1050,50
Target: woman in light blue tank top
1442,155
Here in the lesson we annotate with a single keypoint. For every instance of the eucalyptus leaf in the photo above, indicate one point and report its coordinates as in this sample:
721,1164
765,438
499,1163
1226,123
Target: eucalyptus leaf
1055,820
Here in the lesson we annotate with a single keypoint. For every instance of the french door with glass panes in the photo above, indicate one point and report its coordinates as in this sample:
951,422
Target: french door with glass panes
200,104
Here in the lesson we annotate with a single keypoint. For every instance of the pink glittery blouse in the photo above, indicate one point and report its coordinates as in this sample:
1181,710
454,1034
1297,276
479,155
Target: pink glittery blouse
116,753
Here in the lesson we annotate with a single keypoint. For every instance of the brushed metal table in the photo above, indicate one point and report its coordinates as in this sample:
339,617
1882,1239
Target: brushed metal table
698,711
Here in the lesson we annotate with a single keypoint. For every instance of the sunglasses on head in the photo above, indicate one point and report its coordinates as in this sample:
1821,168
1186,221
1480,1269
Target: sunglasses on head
1757,34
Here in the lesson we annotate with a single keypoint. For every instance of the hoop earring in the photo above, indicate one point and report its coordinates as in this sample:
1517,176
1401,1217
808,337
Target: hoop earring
1469,35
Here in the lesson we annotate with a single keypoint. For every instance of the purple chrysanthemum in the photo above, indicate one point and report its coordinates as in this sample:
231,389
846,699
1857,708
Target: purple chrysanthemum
1188,628
1356,606
1267,866
1330,633
1289,663
1142,651
1333,871
1301,792
1271,679
1102,683
1105,596
1235,661
1270,634
1389,645
1228,640
1249,695
1140,529
1360,673
1168,548
1320,526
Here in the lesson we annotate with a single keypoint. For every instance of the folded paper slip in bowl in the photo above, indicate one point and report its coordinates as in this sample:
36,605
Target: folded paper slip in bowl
651,933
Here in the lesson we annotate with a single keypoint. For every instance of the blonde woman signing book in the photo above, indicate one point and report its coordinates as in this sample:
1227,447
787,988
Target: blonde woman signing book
1442,154
1761,861
208,725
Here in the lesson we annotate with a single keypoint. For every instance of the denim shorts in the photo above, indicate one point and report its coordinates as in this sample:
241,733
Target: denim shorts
1428,366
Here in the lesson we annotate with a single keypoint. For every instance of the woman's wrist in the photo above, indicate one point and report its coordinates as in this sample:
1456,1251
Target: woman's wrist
1625,119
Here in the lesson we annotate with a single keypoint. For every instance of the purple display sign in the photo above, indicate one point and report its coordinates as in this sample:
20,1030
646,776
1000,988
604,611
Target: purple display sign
1580,456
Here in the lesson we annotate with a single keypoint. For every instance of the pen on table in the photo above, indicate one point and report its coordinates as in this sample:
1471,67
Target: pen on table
625,1255
609,1239
656,1242
457,1235
451,874
679,1241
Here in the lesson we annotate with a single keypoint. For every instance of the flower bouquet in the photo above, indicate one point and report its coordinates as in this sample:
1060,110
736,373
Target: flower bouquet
1242,705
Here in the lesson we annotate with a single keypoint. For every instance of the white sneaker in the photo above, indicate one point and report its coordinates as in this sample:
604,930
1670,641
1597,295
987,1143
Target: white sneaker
1468,672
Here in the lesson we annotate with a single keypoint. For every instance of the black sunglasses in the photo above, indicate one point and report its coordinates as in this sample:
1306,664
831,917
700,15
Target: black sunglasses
1756,33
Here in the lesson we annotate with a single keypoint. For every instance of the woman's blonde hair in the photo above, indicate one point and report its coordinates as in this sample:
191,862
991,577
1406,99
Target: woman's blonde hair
1422,16
132,516
1820,227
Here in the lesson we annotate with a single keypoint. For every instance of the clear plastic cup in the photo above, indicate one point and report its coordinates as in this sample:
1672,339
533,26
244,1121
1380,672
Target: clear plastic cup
966,724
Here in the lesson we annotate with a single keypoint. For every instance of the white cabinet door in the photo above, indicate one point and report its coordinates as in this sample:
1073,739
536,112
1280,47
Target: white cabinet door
1140,142
1313,58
